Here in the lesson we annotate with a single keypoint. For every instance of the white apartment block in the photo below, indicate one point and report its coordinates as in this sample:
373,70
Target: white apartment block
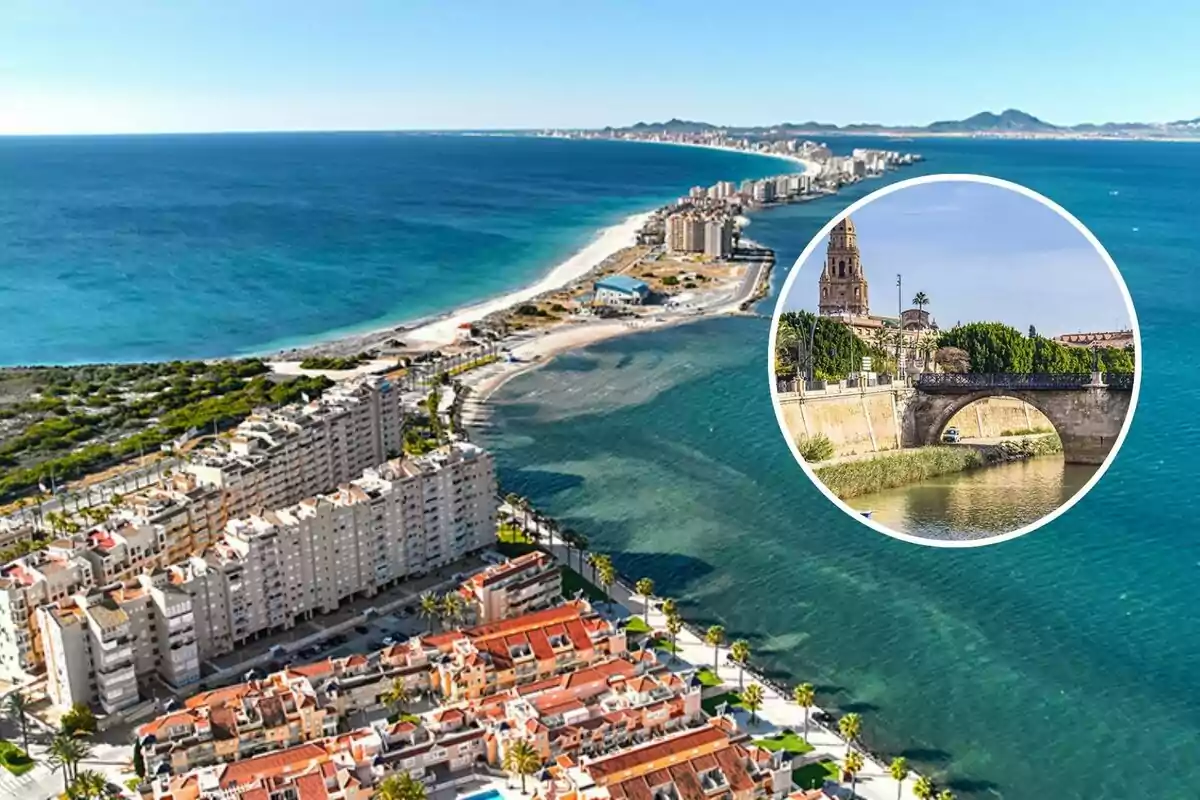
718,237
401,520
100,645
267,572
276,458
26,583
763,192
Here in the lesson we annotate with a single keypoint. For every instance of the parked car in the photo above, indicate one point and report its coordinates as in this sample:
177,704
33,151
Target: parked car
362,630
388,641
951,435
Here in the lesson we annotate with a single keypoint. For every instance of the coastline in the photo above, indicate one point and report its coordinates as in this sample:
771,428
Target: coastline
439,330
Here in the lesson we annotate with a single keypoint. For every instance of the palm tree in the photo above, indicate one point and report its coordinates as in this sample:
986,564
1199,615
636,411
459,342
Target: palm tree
898,769
400,786
551,526
513,500
920,300
670,608
792,338
739,653
715,636
805,696
752,700
852,766
396,696
430,608
16,708
645,587
850,726
452,608
90,785
674,626
923,788
607,574
66,752
521,759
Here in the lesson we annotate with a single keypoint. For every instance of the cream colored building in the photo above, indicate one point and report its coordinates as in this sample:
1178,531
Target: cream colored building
685,233
276,458
718,237
273,459
401,520
100,645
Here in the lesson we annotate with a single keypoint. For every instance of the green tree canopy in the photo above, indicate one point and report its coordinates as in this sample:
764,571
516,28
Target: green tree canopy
992,346
836,350
995,347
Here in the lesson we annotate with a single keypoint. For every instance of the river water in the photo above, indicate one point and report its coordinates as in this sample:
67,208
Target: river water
979,503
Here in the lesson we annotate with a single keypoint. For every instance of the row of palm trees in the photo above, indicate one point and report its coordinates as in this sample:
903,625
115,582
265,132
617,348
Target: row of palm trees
804,695
534,523
448,610
66,751
521,759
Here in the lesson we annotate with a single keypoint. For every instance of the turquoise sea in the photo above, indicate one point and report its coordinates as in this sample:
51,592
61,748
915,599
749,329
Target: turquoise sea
1061,664
125,248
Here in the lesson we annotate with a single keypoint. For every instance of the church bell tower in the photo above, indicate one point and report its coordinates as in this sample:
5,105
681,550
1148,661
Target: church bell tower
843,285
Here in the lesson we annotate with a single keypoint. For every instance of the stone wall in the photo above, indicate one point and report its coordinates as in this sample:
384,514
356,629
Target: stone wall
991,416
855,422
875,420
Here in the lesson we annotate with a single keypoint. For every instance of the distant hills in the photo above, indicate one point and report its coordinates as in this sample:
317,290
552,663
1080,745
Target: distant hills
1008,122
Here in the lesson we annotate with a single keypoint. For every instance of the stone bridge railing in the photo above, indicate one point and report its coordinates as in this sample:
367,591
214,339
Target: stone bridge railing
1027,381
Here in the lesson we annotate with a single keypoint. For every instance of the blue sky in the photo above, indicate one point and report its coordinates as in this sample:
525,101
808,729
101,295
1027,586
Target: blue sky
981,253
81,66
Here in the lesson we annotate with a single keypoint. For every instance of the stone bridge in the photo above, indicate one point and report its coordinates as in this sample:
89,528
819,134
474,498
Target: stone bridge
1087,410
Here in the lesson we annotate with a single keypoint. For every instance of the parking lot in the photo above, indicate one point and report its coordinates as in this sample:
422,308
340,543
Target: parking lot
372,630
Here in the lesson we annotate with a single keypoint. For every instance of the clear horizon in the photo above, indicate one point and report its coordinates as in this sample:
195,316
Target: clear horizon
77,68
981,253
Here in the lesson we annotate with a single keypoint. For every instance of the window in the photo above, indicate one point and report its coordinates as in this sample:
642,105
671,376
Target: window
842,268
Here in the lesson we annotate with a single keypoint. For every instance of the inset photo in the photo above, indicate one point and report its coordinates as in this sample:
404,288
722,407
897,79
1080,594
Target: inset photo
954,360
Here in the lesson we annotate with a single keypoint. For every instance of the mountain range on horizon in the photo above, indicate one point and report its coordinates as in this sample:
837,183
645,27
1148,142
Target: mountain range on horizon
1008,121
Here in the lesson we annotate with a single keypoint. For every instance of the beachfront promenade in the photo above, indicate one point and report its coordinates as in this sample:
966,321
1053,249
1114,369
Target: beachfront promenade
777,713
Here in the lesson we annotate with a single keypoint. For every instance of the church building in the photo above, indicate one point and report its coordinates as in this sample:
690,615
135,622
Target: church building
843,284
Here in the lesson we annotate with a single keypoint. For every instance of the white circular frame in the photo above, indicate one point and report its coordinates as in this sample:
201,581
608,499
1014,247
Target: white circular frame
949,178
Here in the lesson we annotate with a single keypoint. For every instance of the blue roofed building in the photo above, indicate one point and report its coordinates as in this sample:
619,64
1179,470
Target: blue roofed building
619,290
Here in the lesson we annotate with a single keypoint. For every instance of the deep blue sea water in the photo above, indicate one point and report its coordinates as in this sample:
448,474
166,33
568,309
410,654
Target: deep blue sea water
1061,664
133,247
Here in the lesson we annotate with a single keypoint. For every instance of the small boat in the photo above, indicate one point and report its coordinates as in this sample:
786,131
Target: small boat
866,514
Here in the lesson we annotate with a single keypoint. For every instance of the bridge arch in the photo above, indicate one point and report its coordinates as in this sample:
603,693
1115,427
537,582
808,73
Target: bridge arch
937,426
1088,419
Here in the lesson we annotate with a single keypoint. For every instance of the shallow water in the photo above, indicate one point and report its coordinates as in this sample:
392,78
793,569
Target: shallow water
1064,660
980,503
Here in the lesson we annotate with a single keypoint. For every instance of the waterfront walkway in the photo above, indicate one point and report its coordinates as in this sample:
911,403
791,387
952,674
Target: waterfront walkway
778,711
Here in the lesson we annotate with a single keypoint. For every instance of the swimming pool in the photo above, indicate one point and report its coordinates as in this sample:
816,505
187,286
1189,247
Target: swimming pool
490,794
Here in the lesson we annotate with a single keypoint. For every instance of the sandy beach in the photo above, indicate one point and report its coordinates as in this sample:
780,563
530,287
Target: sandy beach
610,240
441,330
